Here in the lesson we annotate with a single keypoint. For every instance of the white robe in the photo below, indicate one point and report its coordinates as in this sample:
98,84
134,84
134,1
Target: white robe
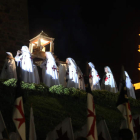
43,66
81,83
50,77
72,74
9,70
94,79
26,65
109,83
37,79
129,86
62,74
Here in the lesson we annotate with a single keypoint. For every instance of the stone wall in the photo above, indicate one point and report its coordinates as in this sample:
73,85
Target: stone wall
14,30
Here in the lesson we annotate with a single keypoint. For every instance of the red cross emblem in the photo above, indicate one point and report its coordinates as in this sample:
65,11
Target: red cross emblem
92,129
106,78
90,76
54,68
22,119
98,75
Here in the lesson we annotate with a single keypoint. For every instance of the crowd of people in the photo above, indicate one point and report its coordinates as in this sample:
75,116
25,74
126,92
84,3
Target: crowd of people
68,74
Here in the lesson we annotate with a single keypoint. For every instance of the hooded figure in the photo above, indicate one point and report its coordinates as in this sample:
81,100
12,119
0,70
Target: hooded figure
9,68
62,74
26,65
81,80
108,82
49,73
94,78
37,79
129,86
72,73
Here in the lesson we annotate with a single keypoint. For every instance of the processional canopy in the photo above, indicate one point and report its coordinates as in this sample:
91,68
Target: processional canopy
39,45
39,42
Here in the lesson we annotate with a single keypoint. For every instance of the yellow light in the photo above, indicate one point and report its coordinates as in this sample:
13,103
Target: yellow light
139,48
137,86
43,41
139,34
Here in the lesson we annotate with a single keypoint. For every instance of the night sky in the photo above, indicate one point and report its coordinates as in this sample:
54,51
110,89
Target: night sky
104,32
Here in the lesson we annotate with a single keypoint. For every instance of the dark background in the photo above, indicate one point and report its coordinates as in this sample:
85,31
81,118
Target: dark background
104,32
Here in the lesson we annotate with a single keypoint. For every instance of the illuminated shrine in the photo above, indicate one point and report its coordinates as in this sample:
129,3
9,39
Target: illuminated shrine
39,45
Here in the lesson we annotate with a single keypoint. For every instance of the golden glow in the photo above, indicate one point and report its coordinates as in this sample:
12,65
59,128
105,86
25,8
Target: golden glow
139,48
43,42
139,34
137,86
139,66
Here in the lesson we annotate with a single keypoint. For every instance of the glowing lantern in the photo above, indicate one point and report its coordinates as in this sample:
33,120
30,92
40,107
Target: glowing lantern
40,41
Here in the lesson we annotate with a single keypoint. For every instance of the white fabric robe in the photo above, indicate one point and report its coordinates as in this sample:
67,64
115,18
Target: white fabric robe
50,77
43,66
9,70
72,74
94,80
129,86
37,79
62,74
26,65
81,83
109,83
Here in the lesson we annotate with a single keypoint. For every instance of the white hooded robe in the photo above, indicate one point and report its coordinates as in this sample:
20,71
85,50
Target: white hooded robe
62,74
72,74
9,68
26,65
129,86
81,80
50,75
108,83
94,78
37,79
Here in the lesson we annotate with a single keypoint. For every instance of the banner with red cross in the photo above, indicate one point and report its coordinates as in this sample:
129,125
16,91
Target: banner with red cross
91,120
19,118
136,126
122,108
